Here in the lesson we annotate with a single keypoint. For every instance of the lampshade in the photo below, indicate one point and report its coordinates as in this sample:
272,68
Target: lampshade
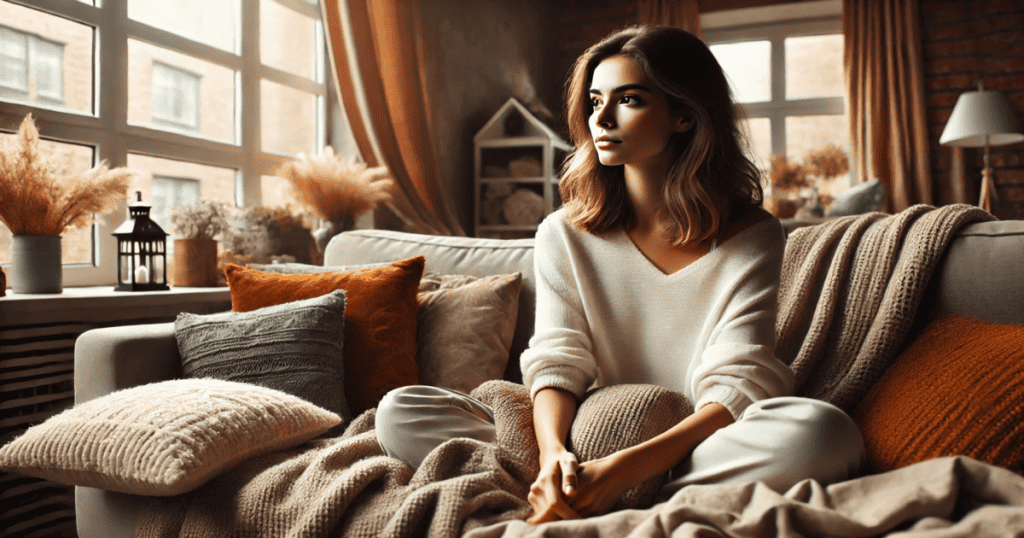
978,115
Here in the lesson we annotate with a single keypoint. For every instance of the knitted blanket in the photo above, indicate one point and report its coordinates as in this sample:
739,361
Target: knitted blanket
849,291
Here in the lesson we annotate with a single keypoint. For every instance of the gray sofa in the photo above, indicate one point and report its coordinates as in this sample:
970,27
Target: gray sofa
981,276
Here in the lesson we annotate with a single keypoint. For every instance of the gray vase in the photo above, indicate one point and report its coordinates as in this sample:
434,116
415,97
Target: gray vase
36,264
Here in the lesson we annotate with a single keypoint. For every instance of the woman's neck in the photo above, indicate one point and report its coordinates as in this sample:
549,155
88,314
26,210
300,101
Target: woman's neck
644,187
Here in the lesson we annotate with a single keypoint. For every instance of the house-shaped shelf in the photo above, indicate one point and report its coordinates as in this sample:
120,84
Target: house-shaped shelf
516,163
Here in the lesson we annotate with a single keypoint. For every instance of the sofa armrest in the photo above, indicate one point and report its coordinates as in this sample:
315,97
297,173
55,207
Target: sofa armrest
107,360
114,358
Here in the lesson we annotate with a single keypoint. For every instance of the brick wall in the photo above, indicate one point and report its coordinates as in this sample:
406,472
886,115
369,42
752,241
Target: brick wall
964,41
580,24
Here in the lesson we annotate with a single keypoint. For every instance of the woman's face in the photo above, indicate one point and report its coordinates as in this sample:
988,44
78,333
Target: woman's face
631,121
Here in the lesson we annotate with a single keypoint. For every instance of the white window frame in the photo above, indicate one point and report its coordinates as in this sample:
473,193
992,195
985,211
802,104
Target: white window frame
775,24
107,128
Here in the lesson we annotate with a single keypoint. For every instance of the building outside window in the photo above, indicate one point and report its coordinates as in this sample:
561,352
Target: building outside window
788,78
221,92
30,62
175,97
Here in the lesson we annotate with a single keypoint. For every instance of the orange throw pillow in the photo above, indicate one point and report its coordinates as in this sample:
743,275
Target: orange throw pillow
957,390
379,344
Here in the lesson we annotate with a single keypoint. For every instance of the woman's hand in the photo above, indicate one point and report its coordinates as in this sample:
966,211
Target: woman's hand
603,482
555,487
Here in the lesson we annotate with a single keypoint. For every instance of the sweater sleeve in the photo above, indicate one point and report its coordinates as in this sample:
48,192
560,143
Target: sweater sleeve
560,351
738,365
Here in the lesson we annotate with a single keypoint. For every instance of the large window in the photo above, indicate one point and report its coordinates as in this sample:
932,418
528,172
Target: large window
201,97
788,77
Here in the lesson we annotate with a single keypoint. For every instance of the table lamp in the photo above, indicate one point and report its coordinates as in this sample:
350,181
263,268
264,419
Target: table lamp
982,119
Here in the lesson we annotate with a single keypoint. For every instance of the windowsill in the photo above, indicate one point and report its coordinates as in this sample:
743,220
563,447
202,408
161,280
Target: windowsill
17,308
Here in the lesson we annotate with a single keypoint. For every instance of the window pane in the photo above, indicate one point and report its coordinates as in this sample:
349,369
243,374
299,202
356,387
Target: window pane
748,66
76,245
164,182
175,92
288,119
287,39
213,22
45,60
814,66
759,136
807,133
276,192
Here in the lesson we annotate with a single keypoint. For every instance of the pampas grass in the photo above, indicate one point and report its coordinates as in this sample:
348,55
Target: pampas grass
337,189
38,197
828,162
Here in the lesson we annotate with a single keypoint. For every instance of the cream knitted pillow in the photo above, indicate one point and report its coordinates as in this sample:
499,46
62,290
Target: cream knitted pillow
164,438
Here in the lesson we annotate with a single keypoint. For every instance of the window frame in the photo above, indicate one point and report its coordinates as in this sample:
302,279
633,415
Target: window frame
107,129
775,24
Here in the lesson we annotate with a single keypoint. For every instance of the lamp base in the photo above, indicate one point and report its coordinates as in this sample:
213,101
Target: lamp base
988,190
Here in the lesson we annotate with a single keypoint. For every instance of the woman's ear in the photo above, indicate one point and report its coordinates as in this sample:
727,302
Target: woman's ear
683,124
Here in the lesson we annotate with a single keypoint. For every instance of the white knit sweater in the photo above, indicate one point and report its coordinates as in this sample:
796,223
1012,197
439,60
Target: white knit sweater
607,315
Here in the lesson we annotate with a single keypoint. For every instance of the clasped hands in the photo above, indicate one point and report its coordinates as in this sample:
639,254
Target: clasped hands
567,489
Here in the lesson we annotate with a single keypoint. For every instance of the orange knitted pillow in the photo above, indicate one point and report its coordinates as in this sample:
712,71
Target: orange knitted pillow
958,389
380,319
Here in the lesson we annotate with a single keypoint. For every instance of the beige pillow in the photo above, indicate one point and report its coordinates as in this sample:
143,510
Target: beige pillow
464,328
164,438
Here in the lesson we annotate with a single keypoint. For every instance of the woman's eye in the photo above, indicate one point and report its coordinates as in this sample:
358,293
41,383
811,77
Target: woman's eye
630,100
595,102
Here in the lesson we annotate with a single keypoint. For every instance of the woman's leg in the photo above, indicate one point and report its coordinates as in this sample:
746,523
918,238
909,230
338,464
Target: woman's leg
411,421
779,441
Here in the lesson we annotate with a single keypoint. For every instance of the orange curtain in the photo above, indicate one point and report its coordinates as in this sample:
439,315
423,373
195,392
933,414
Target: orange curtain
885,90
683,14
375,48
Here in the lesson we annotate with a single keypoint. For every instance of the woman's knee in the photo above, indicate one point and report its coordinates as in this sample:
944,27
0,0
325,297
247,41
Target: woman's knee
824,443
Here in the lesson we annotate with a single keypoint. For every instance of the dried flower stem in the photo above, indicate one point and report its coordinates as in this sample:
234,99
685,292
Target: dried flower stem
336,189
37,198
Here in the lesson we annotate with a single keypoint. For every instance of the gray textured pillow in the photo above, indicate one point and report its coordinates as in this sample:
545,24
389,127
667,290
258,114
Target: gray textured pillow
859,199
294,347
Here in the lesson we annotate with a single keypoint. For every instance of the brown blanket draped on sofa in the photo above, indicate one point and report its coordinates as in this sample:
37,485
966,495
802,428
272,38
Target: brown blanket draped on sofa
841,321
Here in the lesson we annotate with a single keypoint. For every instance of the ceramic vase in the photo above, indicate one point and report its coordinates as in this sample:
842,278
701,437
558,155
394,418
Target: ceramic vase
195,263
328,229
36,264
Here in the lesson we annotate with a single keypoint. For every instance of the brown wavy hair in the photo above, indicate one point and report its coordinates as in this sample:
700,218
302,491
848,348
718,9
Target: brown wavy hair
709,174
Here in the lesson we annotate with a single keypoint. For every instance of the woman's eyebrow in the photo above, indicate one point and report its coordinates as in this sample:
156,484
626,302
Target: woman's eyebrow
623,88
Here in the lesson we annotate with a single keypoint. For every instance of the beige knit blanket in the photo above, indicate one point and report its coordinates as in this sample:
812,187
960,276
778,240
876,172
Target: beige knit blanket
849,291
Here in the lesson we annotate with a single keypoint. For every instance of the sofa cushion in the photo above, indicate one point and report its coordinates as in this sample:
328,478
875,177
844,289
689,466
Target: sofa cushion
955,391
464,328
859,199
380,319
294,347
164,438
464,324
450,255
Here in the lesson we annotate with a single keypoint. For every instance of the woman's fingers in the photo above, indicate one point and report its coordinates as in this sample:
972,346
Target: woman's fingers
555,511
569,482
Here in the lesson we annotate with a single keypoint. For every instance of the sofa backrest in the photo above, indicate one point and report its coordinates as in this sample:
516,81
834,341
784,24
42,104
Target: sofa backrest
452,255
980,276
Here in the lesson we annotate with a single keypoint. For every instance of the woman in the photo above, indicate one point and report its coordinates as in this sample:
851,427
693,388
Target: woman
660,268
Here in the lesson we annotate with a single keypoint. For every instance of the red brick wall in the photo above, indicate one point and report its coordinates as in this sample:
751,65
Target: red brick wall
964,41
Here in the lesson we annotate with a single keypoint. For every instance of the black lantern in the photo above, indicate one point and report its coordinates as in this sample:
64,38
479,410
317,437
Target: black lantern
141,251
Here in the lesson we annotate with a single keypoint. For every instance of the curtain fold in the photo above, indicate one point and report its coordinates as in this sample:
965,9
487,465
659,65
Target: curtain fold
885,91
683,14
375,47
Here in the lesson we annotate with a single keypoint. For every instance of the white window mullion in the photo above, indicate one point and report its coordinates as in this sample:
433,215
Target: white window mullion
250,105
111,105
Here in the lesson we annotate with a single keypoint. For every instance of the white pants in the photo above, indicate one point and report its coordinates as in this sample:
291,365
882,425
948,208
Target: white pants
779,441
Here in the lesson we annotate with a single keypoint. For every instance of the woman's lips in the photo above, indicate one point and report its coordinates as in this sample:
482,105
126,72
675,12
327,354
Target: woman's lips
606,142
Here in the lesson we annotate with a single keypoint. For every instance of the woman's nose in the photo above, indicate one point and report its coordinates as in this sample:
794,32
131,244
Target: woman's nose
604,118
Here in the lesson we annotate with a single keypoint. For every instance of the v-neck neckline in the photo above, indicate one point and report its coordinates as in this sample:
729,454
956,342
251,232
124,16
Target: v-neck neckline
635,250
